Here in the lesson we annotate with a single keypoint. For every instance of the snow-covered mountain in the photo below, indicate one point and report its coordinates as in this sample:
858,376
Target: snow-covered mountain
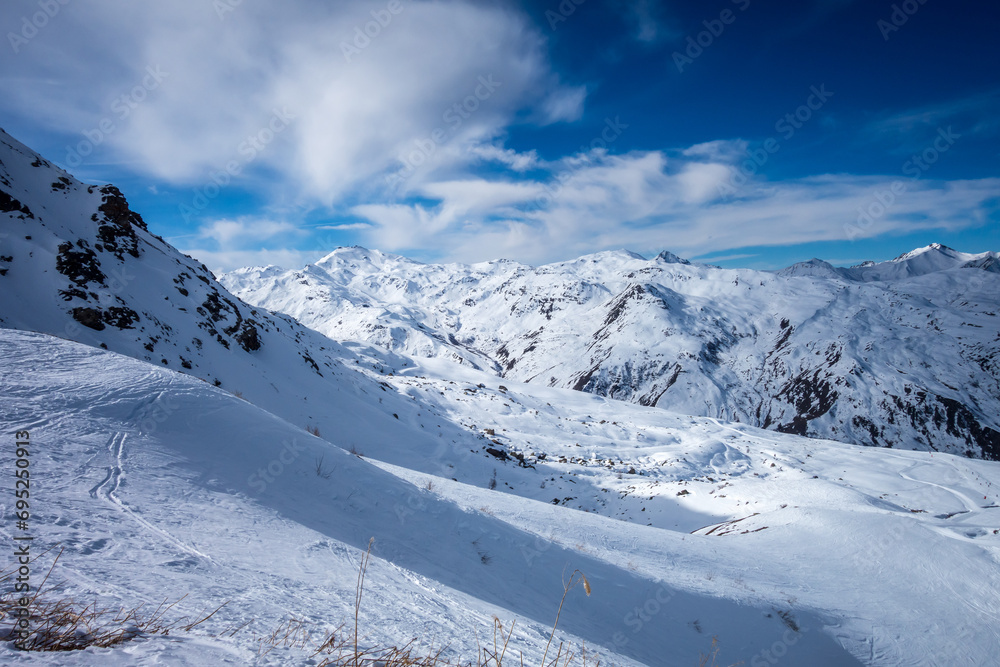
151,481
902,354
920,262
79,264
187,443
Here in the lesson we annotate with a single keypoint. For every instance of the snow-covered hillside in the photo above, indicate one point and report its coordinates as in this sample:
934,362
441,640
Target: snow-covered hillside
79,264
899,354
186,443
151,481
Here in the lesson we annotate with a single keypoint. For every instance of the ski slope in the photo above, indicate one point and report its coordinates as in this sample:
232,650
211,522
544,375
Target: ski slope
146,477
188,443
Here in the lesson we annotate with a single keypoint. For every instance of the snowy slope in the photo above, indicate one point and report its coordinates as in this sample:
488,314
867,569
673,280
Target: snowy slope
80,265
482,493
899,354
147,478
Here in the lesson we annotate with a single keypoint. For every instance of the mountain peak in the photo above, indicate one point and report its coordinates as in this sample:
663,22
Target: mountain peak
603,256
670,258
622,252
812,267
922,261
936,248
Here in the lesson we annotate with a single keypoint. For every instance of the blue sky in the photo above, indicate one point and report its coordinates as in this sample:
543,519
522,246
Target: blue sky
738,132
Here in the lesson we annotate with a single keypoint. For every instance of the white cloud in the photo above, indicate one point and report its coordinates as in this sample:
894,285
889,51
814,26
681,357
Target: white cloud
344,227
220,261
228,244
724,150
506,156
563,104
642,201
452,72
480,195
245,231
700,182
399,226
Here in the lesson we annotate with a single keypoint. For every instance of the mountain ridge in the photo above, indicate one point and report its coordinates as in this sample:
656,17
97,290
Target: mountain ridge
186,442
776,349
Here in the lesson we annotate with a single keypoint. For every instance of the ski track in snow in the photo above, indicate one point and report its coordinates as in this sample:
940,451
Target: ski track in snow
970,504
705,564
861,546
108,487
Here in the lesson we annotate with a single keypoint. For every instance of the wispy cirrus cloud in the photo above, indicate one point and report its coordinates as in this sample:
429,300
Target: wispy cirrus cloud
357,112
245,230
228,243
649,200
975,115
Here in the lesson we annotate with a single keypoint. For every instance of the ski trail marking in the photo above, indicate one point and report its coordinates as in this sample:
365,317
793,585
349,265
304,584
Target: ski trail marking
114,471
112,481
970,505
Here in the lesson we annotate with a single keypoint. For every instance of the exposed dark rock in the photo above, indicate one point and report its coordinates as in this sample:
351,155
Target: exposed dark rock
249,339
619,304
79,263
873,432
811,395
117,231
89,317
312,362
498,453
10,205
120,317
962,423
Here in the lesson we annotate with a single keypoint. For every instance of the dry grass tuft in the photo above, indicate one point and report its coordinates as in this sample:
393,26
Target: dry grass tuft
343,647
67,624
321,471
575,578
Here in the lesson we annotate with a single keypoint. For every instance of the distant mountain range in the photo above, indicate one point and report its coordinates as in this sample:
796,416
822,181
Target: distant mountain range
904,353
189,445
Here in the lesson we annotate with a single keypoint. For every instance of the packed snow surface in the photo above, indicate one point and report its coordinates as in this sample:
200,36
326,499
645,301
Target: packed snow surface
151,482
184,442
